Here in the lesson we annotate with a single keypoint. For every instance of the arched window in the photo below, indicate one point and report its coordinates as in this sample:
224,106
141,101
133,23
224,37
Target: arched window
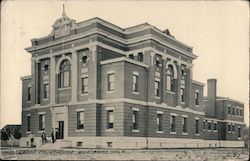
64,75
170,78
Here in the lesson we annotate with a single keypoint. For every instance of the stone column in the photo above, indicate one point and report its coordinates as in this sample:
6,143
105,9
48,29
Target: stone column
164,79
74,77
37,82
33,81
52,80
178,82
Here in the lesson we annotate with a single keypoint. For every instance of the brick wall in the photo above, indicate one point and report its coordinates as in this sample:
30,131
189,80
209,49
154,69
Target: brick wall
90,120
25,102
118,70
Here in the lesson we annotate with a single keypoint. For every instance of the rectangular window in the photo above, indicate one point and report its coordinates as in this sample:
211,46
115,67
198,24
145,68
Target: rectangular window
204,124
80,120
241,113
182,94
157,88
215,126
159,122
239,132
237,111
140,57
233,128
28,123
209,126
184,125
157,65
229,127
169,83
233,112
172,123
46,91
66,79
85,85
229,110
135,120
110,119
41,122
111,83
196,126
29,93
135,83
196,98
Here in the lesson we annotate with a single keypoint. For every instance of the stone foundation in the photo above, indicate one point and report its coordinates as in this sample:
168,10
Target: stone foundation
134,142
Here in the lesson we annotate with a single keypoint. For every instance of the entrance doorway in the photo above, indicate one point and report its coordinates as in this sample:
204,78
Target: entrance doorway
60,134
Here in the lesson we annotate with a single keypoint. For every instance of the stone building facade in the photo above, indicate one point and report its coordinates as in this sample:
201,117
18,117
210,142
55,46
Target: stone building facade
99,85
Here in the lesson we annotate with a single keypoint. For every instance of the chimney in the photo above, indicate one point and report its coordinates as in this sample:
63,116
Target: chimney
211,96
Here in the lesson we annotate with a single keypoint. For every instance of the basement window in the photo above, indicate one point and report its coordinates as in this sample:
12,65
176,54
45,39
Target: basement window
79,143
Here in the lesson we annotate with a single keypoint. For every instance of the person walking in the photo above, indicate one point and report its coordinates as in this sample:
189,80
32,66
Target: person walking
52,136
42,138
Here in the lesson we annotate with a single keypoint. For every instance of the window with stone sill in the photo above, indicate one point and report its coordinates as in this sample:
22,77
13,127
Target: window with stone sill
239,132
204,125
29,93
170,78
46,90
84,85
196,126
229,128
135,120
140,57
41,122
110,119
28,123
182,94
111,82
135,83
241,113
209,126
196,98
237,111
229,110
157,88
65,74
159,122
157,65
215,126
184,125
80,120
172,123
233,128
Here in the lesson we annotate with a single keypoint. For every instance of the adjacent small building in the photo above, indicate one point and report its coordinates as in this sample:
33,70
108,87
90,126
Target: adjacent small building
99,85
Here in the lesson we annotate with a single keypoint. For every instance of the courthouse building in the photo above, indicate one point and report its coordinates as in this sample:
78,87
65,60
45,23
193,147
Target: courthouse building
103,86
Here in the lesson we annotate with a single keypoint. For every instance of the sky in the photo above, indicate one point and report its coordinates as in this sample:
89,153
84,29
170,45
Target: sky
218,31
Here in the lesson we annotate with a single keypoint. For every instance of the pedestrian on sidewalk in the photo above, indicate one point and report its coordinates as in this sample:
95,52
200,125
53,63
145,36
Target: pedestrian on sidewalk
52,136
